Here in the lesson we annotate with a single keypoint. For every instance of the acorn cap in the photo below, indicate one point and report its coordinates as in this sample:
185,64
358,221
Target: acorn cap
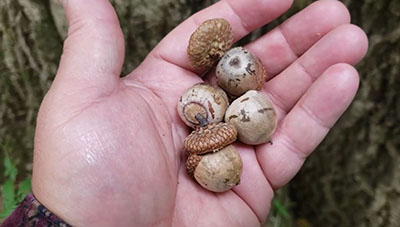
209,43
210,138
191,164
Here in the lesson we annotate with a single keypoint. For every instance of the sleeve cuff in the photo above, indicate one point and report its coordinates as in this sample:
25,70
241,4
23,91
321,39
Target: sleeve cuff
31,213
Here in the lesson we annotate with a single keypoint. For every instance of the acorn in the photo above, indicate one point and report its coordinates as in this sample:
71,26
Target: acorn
210,138
254,117
209,43
202,102
217,172
239,71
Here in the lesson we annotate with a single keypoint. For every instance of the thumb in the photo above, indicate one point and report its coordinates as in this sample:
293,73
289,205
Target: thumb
93,51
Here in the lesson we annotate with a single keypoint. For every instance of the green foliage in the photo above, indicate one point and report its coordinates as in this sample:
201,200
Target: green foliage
281,214
8,196
10,169
12,193
280,208
24,188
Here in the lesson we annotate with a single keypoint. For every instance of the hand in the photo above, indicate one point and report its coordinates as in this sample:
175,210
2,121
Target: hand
109,150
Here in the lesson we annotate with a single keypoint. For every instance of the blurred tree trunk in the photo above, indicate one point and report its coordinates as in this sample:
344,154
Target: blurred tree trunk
353,179
29,51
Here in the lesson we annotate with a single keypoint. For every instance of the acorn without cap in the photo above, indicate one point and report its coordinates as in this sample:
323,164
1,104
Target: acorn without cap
209,43
254,117
202,102
217,172
239,71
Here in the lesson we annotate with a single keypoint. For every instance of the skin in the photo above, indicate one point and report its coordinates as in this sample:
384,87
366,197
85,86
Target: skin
108,150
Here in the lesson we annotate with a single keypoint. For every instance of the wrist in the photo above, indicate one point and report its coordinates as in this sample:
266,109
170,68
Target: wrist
30,212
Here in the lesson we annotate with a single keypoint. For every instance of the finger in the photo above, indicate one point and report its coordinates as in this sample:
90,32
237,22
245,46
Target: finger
94,49
253,186
345,44
244,16
300,132
206,208
281,46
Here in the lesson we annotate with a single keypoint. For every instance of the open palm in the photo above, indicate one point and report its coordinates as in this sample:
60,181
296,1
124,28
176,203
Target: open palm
109,150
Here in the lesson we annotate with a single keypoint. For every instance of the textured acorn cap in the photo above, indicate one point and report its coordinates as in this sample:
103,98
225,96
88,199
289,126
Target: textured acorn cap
191,163
209,43
210,138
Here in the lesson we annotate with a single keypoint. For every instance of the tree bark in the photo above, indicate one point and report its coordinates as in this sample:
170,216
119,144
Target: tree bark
353,178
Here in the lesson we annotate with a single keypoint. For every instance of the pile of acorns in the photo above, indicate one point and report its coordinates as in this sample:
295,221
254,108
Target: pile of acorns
213,161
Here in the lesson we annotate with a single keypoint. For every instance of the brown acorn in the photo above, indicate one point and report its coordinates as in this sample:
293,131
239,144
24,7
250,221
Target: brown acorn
210,138
209,43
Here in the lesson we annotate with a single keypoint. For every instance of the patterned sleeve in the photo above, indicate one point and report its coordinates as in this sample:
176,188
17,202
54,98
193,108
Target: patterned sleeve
33,214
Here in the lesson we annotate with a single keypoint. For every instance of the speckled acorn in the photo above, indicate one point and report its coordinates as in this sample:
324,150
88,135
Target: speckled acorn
209,43
210,138
239,71
254,117
217,172
202,102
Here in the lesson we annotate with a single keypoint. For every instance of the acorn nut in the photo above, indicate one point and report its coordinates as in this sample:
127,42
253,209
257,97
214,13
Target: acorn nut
239,71
253,116
210,138
217,172
209,43
202,104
